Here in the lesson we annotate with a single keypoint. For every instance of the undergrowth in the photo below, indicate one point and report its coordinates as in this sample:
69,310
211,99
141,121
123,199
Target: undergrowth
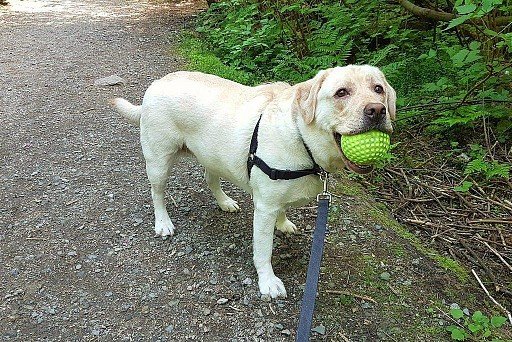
452,79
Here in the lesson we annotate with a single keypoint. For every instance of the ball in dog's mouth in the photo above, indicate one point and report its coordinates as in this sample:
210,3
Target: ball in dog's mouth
360,169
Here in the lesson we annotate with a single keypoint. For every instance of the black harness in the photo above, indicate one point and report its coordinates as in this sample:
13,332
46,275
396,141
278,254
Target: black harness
276,174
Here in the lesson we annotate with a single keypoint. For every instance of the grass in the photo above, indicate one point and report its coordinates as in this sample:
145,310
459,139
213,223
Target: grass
200,58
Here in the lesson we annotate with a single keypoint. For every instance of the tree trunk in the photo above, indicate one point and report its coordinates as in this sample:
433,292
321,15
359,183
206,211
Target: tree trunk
428,13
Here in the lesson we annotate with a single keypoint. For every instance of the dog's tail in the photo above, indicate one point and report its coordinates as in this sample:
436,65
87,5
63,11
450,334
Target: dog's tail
128,110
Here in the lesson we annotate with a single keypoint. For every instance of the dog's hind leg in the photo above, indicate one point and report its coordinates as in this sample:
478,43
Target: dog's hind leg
159,160
225,202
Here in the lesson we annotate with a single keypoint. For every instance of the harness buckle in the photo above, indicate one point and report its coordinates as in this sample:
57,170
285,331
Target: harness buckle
276,174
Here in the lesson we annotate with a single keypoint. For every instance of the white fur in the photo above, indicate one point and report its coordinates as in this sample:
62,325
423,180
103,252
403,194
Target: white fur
213,119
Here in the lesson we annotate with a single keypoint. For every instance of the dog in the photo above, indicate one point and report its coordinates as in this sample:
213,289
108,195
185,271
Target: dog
296,127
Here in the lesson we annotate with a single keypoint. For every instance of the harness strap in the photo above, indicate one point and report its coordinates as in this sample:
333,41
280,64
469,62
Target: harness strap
317,248
271,172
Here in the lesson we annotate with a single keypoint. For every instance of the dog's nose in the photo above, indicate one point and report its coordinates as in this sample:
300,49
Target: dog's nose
375,112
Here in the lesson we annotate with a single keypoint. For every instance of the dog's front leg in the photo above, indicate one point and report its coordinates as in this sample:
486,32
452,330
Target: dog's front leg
263,235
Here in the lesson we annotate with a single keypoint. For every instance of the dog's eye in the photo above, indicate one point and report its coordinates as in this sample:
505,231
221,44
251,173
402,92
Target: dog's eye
342,92
378,89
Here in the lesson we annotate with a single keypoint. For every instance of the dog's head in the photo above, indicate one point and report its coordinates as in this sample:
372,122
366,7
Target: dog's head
346,101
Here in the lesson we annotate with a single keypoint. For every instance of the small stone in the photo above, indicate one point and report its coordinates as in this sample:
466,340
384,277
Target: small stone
222,301
109,81
286,332
145,309
169,328
213,281
385,276
174,302
454,306
319,329
366,305
138,221
186,271
260,331
278,326
465,311
266,298
207,311
247,281
77,267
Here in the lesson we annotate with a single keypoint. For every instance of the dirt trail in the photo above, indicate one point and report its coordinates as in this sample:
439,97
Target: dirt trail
78,259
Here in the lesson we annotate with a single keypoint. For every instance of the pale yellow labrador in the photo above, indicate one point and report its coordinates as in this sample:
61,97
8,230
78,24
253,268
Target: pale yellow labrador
214,119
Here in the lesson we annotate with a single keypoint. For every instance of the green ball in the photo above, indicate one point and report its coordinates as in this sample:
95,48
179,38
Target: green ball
365,148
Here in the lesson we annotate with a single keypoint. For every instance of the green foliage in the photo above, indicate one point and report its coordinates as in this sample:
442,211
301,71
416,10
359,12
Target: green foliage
464,187
201,59
477,327
479,166
457,74
292,40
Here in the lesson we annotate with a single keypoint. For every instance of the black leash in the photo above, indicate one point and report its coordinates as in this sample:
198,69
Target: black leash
317,248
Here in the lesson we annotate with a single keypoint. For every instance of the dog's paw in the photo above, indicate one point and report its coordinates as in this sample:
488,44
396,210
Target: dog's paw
287,227
229,205
164,228
272,286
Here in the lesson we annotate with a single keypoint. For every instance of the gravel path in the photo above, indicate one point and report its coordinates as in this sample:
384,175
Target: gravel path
78,259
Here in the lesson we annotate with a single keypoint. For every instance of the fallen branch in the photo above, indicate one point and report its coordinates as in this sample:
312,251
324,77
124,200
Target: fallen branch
491,297
435,104
495,252
346,293
430,14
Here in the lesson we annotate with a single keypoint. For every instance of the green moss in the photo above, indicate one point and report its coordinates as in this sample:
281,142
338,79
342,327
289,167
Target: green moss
383,218
347,187
398,250
199,58
378,213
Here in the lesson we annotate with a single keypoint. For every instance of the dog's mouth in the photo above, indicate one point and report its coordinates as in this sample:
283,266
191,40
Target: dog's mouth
360,169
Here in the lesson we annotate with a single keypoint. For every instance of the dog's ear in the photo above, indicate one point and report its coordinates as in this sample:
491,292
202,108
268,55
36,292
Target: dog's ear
391,101
305,99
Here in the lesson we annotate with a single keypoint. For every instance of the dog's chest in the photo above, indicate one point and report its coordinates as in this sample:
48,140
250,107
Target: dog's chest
302,191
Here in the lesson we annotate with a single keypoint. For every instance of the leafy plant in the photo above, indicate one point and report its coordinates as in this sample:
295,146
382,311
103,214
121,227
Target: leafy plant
480,166
464,187
477,327
458,88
